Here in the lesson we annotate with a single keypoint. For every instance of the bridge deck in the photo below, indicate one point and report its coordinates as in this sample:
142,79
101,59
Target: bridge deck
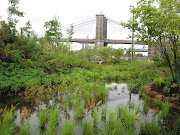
108,41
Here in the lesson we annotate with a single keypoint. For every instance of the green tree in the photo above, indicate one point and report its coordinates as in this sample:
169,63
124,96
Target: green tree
89,51
52,33
105,52
159,25
12,12
118,53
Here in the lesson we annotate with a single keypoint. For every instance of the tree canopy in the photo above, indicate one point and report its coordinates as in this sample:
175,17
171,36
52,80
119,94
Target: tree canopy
157,23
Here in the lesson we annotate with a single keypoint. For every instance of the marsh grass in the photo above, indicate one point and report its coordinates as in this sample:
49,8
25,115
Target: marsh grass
165,108
96,121
146,128
111,124
43,118
155,126
25,128
78,107
87,128
145,107
53,120
103,112
127,116
68,128
7,124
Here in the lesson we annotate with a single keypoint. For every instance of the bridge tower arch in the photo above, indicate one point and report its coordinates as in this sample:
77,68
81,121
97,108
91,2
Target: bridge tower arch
101,31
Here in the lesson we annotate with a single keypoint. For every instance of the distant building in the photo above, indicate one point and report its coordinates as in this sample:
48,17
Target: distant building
153,52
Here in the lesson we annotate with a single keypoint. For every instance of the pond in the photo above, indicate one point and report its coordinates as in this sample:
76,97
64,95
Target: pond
119,97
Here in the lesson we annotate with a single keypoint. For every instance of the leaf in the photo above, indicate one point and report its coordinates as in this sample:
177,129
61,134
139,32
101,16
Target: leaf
89,103
137,116
99,103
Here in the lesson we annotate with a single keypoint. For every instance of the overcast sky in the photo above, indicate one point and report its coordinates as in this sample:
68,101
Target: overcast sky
72,11
68,11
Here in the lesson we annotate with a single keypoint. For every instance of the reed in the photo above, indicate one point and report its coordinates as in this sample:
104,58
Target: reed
78,107
25,128
111,125
68,128
165,108
103,112
146,127
7,124
53,121
87,128
43,118
96,120
155,127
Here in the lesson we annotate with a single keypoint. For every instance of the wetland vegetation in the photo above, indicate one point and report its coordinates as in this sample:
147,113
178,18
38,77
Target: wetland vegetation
47,89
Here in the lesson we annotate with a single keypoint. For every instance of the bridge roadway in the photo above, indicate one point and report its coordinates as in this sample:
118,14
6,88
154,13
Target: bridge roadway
107,41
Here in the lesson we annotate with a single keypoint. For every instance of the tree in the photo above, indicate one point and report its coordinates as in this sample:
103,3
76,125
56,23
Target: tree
52,33
13,11
105,52
118,53
89,51
158,24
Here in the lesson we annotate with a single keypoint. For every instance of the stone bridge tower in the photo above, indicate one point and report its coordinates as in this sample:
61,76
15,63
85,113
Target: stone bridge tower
101,31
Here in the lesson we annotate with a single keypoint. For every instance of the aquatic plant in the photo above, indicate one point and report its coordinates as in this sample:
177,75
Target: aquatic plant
43,116
96,120
127,116
87,128
145,127
165,108
7,124
78,107
68,128
53,120
25,128
155,126
103,112
111,124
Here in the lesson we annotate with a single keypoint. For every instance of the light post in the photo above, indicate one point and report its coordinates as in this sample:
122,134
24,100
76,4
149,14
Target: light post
131,8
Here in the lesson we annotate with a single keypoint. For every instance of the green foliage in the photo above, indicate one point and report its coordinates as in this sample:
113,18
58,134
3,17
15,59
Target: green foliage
25,128
118,53
166,89
7,124
159,26
68,128
165,108
43,118
17,77
53,33
87,128
105,52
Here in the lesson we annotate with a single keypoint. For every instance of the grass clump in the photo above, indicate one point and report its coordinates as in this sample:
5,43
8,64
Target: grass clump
43,118
7,125
87,128
25,128
68,128
165,108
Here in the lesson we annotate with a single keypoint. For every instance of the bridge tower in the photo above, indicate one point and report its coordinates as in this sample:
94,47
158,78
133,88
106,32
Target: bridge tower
101,31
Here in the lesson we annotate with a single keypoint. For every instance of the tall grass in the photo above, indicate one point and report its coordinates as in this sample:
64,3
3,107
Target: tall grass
165,108
7,125
87,128
53,121
43,118
25,128
78,107
68,128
